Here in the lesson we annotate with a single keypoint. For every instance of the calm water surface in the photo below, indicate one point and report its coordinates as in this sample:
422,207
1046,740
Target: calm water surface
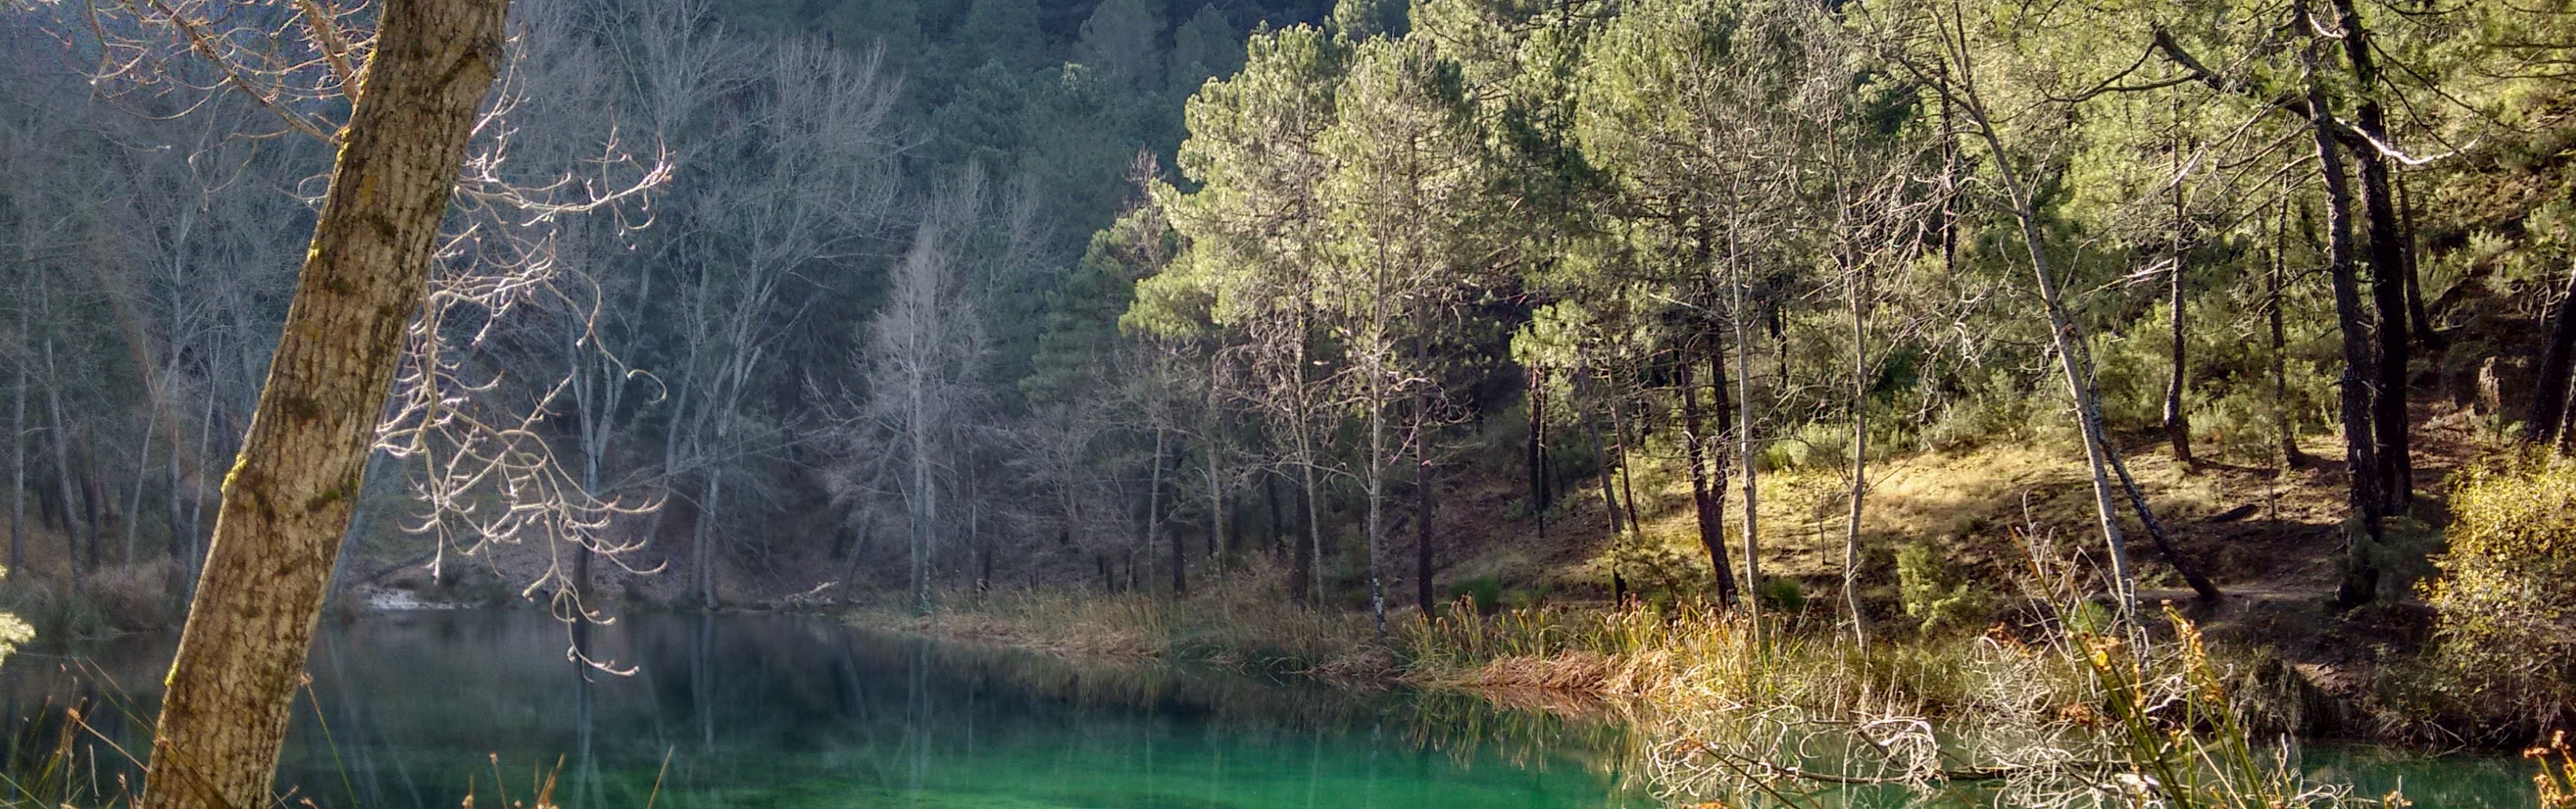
414,710
410,710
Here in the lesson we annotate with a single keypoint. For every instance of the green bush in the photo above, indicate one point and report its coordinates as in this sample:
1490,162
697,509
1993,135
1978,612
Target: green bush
2503,601
1782,594
1934,593
1486,591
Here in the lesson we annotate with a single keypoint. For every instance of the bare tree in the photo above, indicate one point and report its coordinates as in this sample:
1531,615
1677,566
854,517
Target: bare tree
924,358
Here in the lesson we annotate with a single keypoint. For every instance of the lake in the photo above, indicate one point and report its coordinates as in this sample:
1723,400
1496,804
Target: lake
412,710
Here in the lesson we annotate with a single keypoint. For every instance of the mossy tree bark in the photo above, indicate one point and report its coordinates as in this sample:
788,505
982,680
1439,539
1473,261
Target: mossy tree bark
291,490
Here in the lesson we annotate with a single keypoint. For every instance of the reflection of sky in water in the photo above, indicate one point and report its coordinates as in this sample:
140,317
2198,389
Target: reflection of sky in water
762,712
758,712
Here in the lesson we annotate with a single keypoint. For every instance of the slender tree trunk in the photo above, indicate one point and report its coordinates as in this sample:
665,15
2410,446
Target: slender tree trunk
1721,445
18,462
1712,533
2200,585
2291,456
1377,466
94,497
2177,423
1858,286
173,511
2069,344
289,497
1600,460
924,502
1751,520
1960,92
2549,395
1217,511
983,547
2361,576
61,440
193,562
1422,511
1270,504
1627,481
2416,314
1307,578
704,541
1154,517
2388,272
1537,398
142,476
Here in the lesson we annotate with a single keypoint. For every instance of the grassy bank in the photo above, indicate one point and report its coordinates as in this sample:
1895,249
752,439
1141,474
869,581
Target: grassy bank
2065,708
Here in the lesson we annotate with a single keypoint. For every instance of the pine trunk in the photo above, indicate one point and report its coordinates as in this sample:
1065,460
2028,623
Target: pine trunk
1712,532
2361,460
2549,395
2388,273
290,494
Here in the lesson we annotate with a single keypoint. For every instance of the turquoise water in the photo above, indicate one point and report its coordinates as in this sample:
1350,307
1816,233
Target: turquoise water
412,710
416,710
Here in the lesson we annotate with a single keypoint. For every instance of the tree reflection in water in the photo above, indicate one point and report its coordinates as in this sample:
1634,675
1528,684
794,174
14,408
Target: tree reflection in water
408,710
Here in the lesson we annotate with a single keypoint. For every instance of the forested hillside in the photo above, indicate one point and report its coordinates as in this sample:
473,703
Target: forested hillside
766,298
690,216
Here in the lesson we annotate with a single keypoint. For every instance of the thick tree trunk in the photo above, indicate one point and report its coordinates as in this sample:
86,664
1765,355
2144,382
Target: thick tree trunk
2388,273
1712,532
290,494
2549,395
2361,459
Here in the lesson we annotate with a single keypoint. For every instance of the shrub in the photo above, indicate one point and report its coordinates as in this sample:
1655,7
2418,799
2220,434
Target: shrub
1782,594
1933,592
2503,601
1486,592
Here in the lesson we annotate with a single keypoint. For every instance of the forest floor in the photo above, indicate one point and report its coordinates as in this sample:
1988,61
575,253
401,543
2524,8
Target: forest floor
2270,536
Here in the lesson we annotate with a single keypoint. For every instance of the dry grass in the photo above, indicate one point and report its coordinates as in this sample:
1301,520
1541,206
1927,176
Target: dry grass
1233,621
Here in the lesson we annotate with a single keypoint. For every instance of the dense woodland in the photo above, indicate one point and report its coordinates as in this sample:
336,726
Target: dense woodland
742,298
